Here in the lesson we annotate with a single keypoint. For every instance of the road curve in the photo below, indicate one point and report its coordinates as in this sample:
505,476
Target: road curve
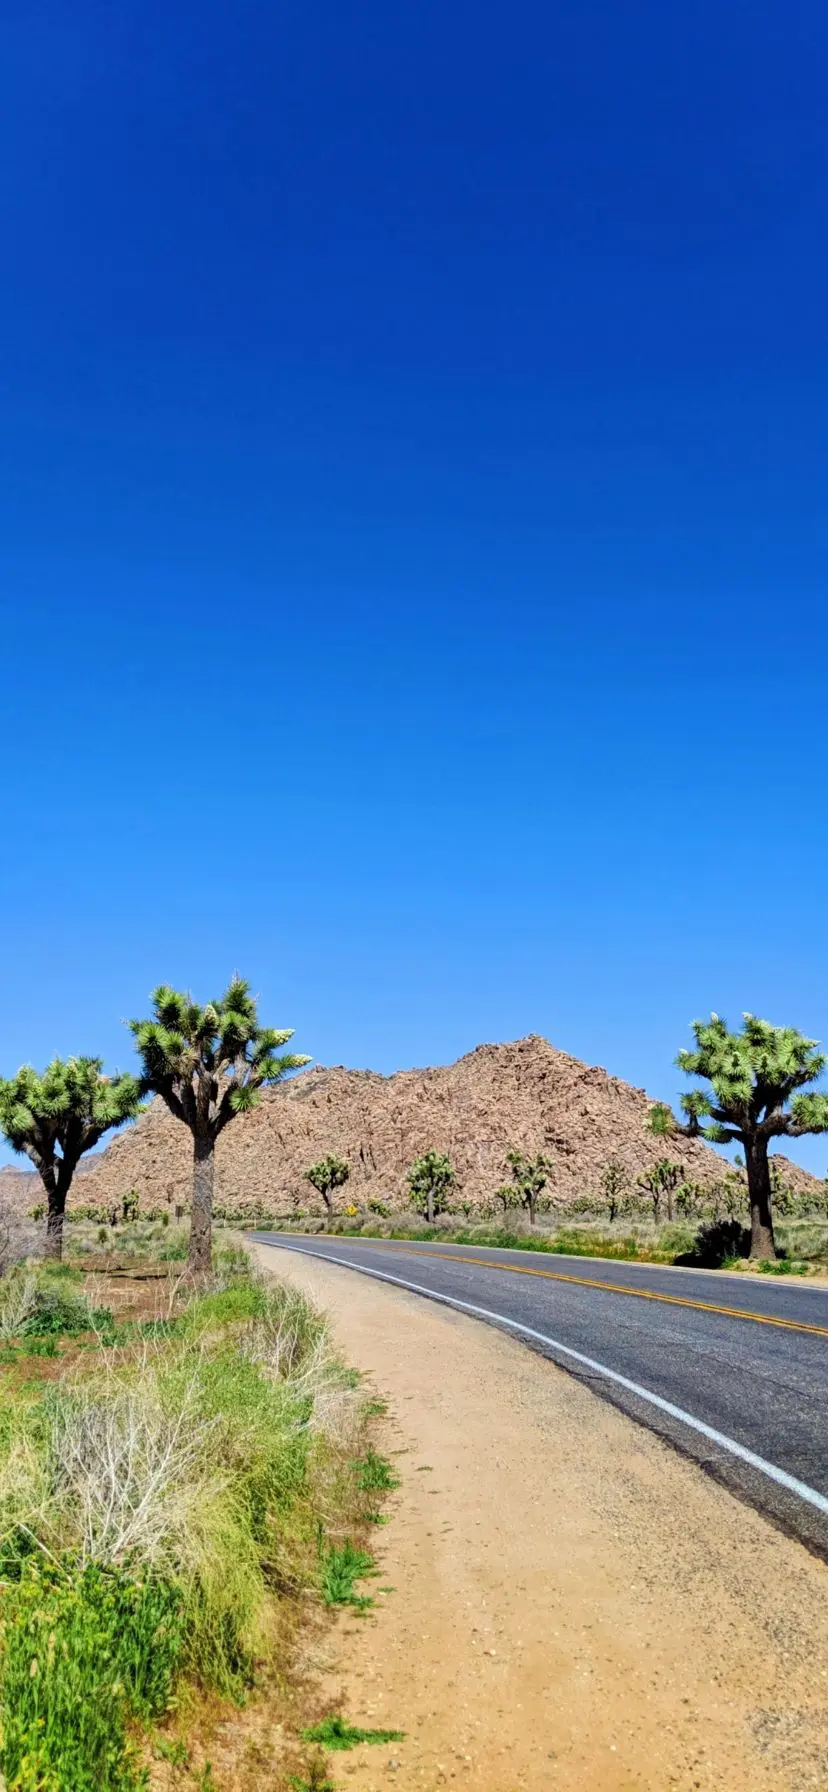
732,1373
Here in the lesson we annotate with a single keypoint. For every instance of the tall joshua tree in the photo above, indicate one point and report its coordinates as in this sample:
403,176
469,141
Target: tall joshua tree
55,1117
758,1080
208,1064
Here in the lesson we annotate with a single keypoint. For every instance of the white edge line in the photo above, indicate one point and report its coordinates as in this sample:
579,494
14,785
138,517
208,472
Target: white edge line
809,1494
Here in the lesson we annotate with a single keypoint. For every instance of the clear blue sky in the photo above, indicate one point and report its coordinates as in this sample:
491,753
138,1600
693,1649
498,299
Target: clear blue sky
414,531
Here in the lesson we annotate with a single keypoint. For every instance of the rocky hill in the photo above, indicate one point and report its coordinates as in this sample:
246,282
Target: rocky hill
526,1095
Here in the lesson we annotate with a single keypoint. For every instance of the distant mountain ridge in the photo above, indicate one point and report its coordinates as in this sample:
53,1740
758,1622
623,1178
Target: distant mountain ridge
526,1095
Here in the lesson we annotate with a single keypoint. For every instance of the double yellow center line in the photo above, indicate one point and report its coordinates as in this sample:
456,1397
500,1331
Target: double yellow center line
558,1275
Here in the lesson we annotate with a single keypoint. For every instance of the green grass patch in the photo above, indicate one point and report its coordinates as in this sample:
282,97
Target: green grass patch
342,1566
337,1733
783,1267
374,1473
153,1499
83,1653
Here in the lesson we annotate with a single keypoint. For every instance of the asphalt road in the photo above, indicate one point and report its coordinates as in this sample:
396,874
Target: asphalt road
733,1373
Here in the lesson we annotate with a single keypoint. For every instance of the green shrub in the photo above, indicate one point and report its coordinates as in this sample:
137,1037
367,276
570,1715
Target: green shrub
58,1312
717,1244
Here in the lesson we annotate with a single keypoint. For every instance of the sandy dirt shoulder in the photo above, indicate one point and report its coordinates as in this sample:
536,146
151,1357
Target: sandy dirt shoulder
575,1607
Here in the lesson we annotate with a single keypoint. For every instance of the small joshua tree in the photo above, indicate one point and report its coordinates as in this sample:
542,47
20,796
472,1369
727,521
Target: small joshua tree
661,1179
55,1117
430,1181
329,1174
208,1064
689,1199
529,1178
614,1183
758,1081
509,1196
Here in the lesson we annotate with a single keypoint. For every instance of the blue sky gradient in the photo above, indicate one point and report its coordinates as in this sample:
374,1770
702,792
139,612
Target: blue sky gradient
414,530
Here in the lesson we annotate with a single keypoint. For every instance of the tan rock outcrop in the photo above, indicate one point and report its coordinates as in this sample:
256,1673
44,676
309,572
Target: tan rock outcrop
526,1094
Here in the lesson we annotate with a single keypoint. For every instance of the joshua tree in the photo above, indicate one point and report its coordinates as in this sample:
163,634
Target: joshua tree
689,1198
529,1177
430,1180
731,1194
329,1174
661,1179
56,1117
614,1183
758,1079
208,1064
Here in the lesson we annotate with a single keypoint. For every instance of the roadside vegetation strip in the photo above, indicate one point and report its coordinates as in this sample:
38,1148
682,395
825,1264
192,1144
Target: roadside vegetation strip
558,1275
161,1484
810,1495
705,1243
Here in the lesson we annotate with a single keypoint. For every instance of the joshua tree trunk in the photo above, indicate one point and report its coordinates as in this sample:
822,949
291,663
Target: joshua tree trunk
762,1242
201,1218
430,1206
56,1178
54,1223
532,1200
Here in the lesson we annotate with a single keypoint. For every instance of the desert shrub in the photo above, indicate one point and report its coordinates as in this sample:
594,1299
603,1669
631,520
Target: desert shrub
58,1311
18,1292
588,1205
716,1243
231,1266
196,1458
173,1248
41,1304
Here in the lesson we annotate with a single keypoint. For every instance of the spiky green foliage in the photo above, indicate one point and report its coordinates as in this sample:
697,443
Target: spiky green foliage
209,1063
529,1178
430,1181
329,1174
55,1116
754,1075
759,1091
